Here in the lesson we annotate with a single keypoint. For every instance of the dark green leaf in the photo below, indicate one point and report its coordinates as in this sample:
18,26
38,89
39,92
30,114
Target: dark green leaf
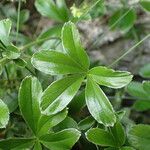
100,137
98,104
4,114
72,45
20,62
58,95
30,94
127,148
52,62
16,144
109,77
63,140
37,146
145,4
55,10
139,137
142,105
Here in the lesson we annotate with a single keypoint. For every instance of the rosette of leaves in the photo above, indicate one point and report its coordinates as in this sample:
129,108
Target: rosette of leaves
30,94
74,64
141,93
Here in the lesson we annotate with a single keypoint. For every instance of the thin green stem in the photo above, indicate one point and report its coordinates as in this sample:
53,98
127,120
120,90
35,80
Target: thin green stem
18,20
130,50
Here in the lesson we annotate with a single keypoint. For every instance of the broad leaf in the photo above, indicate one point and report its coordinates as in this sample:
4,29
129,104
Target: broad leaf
55,10
63,140
4,114
145,71
98,104
30,93
72,45
145,4
16,144
100,137
109,77
47,122
52,62
5,27
142,105
139,137
58,95
123,19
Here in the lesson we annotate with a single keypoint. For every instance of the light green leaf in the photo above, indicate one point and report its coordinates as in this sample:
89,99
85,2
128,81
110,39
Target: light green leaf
109,77
98,104
55,10
37,146
123,19
47,122
100,137
11,52
58,95
30,94
139,137
4,114
63,140
52,62
16,144
145,71
127,148
5,27
146,86
72,45
145,4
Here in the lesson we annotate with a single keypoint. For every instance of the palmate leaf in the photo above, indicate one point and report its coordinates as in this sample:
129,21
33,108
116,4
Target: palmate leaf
98,104
63,140
109,77
55,10
55,63
72,45
58,95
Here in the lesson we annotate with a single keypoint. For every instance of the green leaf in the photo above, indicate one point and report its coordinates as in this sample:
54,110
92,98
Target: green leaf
63,140
145,4
142,105
100,137
109,77
30,94
86,123
55,10
146,86
5,27
16,144
136,89
4,114
98,104
11,52
139,137
55,63
72,45
47,122
118,133
58,95
123,19
145,71
37,146
127,148
20,62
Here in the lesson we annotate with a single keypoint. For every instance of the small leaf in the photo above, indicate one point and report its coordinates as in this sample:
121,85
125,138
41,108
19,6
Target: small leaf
98,104
109,77
146,86
123,19
20,62
4,114
142,105
145,71
5,27
139,137
54,63
30,94
47,122
55,10
100,137
145,4
63,140
58,95
72,45
16,144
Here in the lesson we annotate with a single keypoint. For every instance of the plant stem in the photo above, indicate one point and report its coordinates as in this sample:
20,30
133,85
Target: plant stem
130,50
